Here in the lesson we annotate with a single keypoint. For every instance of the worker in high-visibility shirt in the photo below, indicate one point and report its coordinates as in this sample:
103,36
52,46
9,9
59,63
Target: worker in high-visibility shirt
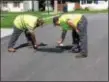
78,24
25,23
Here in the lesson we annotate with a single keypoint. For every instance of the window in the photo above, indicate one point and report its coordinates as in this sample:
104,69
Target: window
61,1
89,1
83,1
16,4
5,4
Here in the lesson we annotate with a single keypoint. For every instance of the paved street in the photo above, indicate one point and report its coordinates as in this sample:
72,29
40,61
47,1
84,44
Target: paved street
53,64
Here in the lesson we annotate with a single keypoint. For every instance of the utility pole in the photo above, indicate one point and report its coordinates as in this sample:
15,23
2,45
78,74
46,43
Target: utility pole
32,5
48,6
61,6
55,6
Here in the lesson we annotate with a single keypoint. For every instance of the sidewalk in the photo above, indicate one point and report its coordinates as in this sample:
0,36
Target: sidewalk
6,32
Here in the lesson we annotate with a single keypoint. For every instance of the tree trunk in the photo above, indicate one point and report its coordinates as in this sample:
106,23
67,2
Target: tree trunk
55,6
77,5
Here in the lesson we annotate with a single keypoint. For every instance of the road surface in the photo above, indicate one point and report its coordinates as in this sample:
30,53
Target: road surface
52,64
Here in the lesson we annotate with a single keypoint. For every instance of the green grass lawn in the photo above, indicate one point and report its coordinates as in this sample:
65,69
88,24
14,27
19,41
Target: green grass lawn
8,17
90,11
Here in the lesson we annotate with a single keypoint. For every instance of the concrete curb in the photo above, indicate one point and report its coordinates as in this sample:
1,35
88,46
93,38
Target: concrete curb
6,32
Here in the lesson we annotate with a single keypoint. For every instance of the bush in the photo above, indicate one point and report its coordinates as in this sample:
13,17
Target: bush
86,9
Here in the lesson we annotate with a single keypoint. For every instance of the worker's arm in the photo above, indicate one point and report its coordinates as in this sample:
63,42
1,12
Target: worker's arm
30,31
33,39
70,23
63,34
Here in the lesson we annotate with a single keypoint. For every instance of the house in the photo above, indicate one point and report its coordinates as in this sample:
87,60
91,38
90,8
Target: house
77,4
95,4
44,5
18,5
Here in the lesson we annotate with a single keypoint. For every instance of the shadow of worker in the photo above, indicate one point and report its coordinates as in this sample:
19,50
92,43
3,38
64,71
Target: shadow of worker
57,49
42,48
27,45
50,50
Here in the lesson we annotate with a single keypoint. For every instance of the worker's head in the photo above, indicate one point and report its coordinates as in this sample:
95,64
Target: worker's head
40,22
56,21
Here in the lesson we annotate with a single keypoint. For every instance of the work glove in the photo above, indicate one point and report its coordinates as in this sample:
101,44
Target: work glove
35,46
60,43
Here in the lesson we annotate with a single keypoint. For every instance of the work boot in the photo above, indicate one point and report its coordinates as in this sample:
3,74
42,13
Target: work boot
11,49
81,55
42,44
75,48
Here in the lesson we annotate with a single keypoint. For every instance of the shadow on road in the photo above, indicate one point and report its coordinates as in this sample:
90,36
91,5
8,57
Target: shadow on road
26,44
22,46
57,49
67,47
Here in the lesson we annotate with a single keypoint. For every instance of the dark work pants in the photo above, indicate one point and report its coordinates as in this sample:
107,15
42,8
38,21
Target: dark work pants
82,27
15,35
75,37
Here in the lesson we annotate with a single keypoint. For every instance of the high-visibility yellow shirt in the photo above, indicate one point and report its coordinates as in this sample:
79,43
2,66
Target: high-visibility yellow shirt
65,17
25,21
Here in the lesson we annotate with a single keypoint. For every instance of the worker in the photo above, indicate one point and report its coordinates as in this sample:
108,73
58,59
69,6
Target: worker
78,24
25,23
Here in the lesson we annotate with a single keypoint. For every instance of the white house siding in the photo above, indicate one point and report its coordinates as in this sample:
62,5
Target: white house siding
93,6
36,5
70,6
24,6
10,7
48,6
15,9
27,5
99,6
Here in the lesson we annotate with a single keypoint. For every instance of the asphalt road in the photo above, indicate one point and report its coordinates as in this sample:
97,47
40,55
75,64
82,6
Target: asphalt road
52,64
